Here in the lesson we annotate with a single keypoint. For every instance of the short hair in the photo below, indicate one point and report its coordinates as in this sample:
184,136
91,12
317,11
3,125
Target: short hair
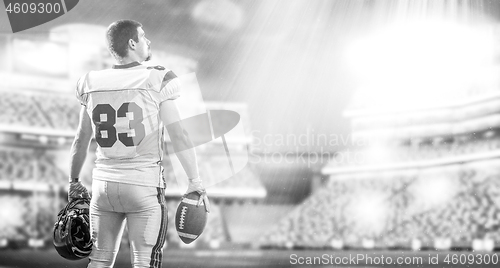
118,35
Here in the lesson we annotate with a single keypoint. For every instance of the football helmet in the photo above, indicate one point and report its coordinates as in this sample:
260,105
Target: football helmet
72,238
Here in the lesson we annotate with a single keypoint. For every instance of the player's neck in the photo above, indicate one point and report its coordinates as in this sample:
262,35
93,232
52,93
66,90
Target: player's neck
127,60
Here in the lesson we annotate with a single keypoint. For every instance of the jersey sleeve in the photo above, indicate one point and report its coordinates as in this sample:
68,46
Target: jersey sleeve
81,92
170,87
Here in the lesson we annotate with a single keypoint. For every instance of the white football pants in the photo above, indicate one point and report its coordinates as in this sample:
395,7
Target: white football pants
145,211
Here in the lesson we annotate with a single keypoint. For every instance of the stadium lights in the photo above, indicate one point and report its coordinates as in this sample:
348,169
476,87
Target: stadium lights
422,62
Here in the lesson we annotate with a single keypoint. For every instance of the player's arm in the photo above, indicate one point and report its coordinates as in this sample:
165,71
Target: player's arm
181,142
183,148
78,153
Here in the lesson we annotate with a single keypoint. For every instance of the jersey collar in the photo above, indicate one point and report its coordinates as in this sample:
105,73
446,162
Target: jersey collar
128,65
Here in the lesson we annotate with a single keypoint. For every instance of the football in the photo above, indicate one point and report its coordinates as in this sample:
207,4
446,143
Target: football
190,220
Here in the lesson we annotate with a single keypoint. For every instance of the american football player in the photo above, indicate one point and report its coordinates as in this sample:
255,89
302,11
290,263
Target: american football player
126,109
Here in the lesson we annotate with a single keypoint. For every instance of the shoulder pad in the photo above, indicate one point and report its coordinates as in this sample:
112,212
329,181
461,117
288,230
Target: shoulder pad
157,67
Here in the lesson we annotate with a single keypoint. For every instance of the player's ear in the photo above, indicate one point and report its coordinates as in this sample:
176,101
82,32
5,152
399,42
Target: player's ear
131,44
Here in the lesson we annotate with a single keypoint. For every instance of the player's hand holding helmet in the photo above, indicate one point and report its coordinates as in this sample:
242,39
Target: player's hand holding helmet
195,185
77,190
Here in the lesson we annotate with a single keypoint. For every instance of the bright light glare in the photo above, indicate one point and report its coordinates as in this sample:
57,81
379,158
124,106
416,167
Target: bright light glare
11,213
42,57
433,192
377,153
369,211
422,62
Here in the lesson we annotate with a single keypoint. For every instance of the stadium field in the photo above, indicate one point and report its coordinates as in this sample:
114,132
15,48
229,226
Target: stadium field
186,258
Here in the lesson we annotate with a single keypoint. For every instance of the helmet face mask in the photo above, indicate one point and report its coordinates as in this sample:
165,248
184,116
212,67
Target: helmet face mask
71,236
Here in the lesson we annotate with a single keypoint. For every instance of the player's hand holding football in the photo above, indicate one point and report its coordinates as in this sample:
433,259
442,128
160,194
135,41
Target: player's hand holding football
77,190
195,185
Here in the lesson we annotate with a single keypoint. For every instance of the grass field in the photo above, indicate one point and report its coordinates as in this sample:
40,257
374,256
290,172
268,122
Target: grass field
26,258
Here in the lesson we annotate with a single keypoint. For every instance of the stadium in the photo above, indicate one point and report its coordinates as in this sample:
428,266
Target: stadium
367,132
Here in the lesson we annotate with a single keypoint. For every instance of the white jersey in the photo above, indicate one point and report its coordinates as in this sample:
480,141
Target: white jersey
123,104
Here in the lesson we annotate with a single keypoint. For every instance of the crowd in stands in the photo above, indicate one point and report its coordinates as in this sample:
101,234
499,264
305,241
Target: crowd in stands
43,110
19,109
458,202
28,165
60,111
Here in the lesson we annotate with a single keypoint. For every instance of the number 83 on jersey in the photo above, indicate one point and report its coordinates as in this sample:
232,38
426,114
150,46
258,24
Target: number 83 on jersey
124,125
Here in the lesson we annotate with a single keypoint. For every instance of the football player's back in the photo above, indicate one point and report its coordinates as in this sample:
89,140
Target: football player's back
123,105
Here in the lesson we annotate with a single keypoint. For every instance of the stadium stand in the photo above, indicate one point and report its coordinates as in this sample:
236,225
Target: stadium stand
29,192
19,109
61,111
457,203
42,211
427,178
49,110
27,165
